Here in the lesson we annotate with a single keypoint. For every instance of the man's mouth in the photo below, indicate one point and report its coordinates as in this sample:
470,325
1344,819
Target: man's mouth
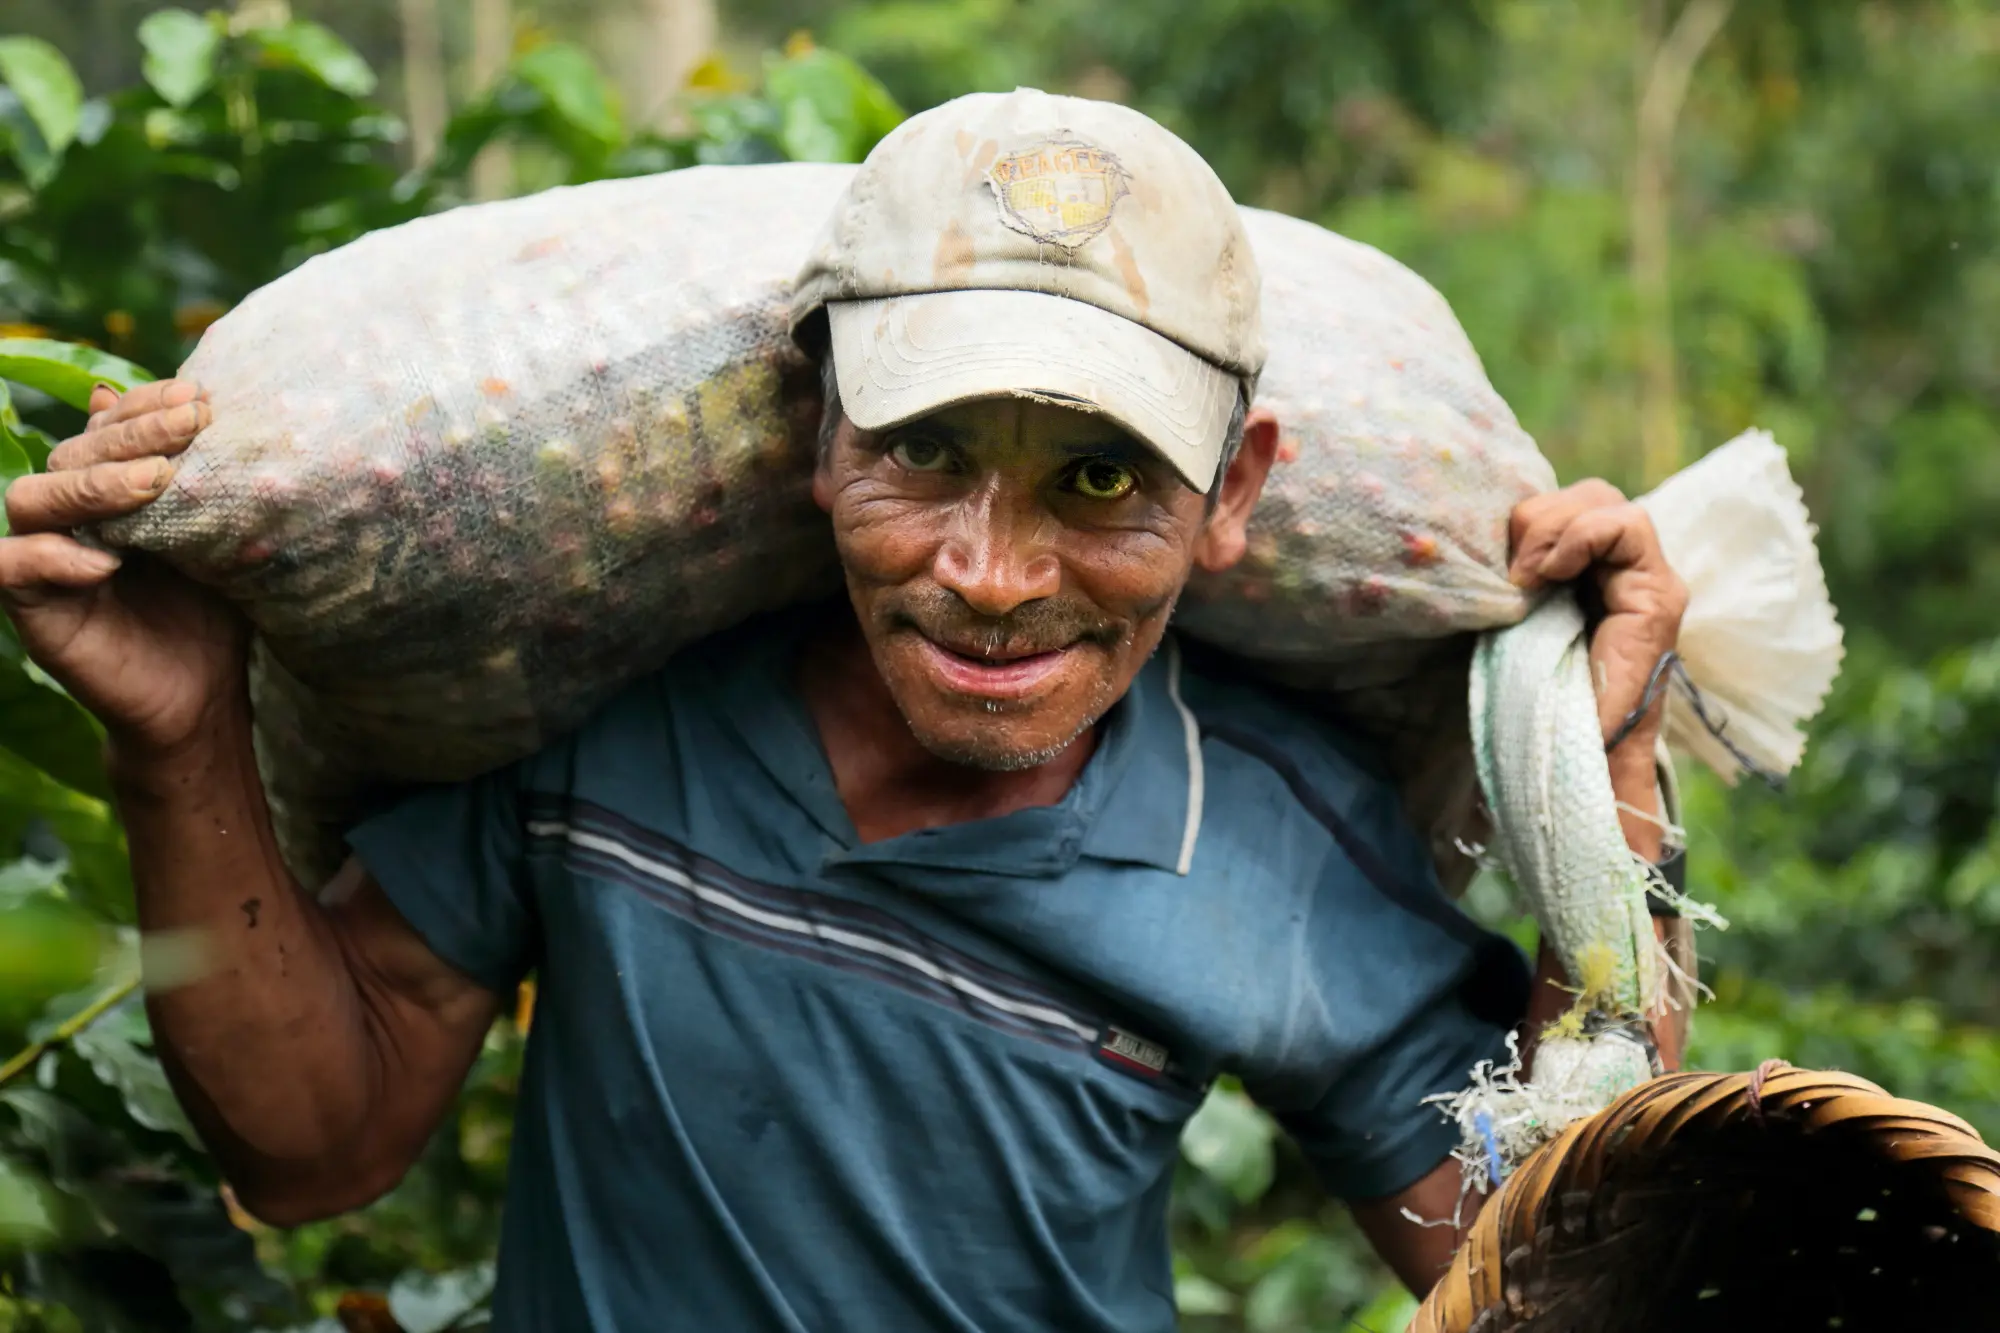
1003,672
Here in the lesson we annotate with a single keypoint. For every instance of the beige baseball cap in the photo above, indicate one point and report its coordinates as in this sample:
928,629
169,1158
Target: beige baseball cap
1028,245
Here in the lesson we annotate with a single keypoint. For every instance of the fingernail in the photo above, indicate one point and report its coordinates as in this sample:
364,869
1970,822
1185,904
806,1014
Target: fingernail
100,562
149,476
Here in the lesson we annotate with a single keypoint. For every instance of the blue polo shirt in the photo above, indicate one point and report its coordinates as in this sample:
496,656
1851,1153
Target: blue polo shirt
779,1079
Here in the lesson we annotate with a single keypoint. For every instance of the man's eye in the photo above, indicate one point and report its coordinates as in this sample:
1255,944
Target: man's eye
1103,479
920,455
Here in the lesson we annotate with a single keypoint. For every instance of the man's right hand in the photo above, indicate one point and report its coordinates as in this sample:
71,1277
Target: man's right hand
319,1057
154,656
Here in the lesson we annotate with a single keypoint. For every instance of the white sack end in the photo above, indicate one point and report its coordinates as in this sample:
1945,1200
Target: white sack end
1760,638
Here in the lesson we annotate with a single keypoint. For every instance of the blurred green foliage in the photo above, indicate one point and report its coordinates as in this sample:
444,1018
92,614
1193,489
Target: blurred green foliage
1833,275
132,221
128,223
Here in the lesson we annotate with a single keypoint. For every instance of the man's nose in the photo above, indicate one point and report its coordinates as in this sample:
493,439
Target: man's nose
999,553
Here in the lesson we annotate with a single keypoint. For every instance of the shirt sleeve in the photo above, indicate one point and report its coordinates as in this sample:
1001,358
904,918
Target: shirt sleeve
1371,1135
451,860
1410,995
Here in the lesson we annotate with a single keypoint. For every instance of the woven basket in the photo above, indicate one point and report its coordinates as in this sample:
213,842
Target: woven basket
1780,1199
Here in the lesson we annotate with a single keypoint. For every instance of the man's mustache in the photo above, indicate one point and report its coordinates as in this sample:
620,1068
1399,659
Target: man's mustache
1043,626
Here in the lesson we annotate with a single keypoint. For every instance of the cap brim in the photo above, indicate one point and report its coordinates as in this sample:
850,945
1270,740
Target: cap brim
904,357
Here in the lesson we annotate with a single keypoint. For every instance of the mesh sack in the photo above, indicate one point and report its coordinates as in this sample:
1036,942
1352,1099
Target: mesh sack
469,475
1385,517
1379,548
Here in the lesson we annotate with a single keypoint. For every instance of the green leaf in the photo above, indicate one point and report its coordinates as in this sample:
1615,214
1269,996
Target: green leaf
50,730
48,947
1390,1312
99,876
1230,1141
33,443
568,78
1195,1295
68,371
111,1048
807,136
24,142
47,86
832,109
1304,1273
14,463
26,878
180,54
425,1303
131,1203
316,50
26,1216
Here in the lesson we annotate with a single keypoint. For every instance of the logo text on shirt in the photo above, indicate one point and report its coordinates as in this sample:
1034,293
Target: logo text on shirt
1121,1046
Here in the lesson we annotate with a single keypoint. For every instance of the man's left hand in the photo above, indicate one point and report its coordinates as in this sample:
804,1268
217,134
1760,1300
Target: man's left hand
1590,530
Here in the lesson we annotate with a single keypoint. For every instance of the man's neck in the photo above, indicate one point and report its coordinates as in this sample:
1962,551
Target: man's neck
889,783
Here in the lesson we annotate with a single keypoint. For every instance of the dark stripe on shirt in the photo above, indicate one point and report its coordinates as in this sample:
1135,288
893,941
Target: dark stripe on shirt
1498,987
817,927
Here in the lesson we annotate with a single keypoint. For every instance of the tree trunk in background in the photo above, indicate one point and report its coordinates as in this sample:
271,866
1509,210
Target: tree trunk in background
1668,63
423,77
492,48
262,13
654,47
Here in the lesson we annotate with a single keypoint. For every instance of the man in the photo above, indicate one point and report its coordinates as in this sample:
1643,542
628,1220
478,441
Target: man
885,948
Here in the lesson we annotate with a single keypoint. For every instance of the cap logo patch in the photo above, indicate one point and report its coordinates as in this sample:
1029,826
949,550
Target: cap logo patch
1059,191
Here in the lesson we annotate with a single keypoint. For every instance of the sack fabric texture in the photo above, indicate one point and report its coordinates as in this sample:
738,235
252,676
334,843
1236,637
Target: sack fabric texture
471,474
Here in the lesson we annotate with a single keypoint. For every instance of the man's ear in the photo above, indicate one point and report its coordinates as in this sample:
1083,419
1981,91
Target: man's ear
1222,540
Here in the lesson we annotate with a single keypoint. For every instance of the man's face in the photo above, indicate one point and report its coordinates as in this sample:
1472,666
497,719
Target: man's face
1013,564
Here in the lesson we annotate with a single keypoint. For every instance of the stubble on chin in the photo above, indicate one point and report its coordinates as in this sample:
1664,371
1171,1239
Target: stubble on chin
987,748
993,756
990,751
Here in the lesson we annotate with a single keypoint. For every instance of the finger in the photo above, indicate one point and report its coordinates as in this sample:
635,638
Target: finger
1620,538
144,398
1649,589
163,432
1624,655
1536,523
34,567
102,399
56,500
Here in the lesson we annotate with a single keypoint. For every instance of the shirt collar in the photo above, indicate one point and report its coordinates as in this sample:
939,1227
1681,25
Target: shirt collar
1137,801
1151,813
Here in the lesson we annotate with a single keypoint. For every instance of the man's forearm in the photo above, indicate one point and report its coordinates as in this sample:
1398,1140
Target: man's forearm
269,1049
1635,781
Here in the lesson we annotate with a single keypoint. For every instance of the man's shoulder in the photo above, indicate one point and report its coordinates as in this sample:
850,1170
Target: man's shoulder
1281,728
685,706
1271,753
